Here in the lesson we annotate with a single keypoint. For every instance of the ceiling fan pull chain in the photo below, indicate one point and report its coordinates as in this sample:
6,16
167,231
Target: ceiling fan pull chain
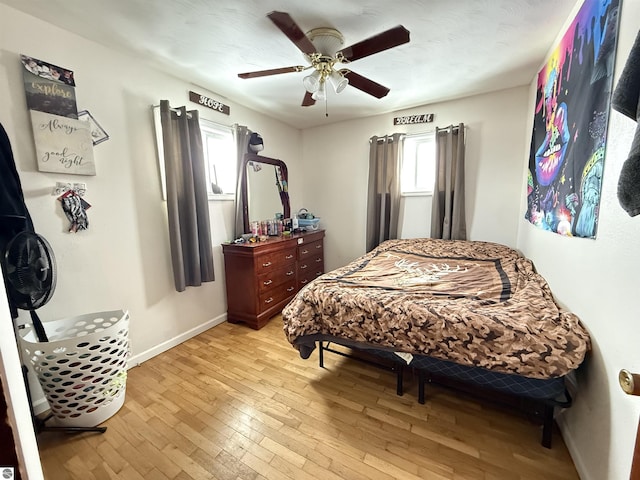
326,113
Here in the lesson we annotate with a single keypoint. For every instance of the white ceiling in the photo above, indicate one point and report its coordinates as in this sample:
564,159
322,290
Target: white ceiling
457,47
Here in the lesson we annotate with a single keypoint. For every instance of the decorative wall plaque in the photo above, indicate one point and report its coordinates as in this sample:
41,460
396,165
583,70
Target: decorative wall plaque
63,145
209,103
411,119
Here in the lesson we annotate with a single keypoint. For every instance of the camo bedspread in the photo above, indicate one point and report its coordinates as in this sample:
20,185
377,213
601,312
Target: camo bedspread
474,303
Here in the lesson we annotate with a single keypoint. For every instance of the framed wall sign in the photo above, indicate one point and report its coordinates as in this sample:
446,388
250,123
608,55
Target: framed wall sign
63,145
209,103
411,119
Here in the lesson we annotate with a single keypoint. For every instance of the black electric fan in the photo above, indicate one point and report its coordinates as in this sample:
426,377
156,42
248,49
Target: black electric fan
31,275
30,271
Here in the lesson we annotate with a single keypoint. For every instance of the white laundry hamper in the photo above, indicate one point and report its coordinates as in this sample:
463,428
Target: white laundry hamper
82,369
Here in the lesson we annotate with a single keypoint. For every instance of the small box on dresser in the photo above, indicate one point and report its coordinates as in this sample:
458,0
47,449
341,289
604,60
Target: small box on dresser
262,277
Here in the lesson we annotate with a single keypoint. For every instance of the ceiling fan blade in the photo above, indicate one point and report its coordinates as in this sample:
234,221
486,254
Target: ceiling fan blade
364,84
308,100
382,41
291,29
273,71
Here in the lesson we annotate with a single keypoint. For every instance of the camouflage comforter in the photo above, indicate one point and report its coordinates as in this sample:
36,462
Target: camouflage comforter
474,303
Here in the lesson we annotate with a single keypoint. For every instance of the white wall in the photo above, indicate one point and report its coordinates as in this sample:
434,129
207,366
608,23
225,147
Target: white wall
335,162
598,280
122,260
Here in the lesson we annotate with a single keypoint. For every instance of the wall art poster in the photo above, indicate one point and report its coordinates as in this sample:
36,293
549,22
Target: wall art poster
570,124
63,145
49,88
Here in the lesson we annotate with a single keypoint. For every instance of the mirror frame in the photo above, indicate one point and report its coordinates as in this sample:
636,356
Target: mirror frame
244,196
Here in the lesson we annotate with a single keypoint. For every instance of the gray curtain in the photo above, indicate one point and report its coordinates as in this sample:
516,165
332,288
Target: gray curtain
448,207
241,135
383,202
187,200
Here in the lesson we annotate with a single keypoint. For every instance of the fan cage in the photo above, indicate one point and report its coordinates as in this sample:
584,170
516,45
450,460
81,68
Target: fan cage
30,270
83,368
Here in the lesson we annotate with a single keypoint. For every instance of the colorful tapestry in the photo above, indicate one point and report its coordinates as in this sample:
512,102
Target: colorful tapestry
570,124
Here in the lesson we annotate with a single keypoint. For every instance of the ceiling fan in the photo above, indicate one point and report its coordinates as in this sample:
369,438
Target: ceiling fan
322,48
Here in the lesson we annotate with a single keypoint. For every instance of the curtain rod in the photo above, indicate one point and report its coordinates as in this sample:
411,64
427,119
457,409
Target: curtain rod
175,110
451,127
417,134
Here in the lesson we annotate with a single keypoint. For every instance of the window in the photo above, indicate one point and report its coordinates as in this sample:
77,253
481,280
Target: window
219,155
419,164
220,158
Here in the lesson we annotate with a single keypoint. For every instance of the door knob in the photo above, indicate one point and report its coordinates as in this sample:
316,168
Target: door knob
630,382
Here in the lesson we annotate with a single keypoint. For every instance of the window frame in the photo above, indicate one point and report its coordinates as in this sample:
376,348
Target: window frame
410,160
208,130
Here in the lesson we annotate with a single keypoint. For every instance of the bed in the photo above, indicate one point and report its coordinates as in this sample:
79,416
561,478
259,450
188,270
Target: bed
474,311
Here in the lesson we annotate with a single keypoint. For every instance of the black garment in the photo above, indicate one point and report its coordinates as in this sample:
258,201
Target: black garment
14,216
626,100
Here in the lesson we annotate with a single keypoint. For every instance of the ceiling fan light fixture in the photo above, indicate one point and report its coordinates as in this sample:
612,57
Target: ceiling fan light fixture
338,81
312,82
321,93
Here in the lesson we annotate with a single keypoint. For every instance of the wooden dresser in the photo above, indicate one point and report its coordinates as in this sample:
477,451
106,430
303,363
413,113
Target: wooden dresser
262,277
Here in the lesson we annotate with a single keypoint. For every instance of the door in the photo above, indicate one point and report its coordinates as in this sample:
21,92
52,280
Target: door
635,466
630,383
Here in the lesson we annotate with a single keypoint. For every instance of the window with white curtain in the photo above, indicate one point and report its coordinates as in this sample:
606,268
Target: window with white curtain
220,156
419,164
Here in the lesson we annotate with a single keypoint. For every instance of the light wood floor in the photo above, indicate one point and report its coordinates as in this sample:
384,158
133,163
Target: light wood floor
239,404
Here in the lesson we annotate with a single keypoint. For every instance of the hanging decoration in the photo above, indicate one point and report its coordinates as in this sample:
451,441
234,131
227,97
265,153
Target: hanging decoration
570,124
75,209
98,134
63,142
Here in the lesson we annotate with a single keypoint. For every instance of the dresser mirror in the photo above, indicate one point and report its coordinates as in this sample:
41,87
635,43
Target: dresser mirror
264,189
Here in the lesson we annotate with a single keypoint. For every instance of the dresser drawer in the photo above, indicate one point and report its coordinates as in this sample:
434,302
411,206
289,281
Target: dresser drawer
274,260
309,269
311,264
310,249
273,296
271,279
304,279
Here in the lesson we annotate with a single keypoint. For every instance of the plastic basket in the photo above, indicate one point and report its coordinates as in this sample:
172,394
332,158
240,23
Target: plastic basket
83,368
310,223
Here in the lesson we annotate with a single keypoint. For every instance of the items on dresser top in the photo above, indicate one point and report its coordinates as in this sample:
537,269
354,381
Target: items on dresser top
262,277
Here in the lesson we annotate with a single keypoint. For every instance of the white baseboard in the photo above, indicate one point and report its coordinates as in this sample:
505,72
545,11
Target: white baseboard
40,404
574,452
136,360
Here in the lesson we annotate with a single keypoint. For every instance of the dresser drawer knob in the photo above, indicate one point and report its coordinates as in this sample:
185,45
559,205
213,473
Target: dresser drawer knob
289,257
268,282
268,264
291,289
302,267
304,281
318,260
269,300
318,246
304,252
289,273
